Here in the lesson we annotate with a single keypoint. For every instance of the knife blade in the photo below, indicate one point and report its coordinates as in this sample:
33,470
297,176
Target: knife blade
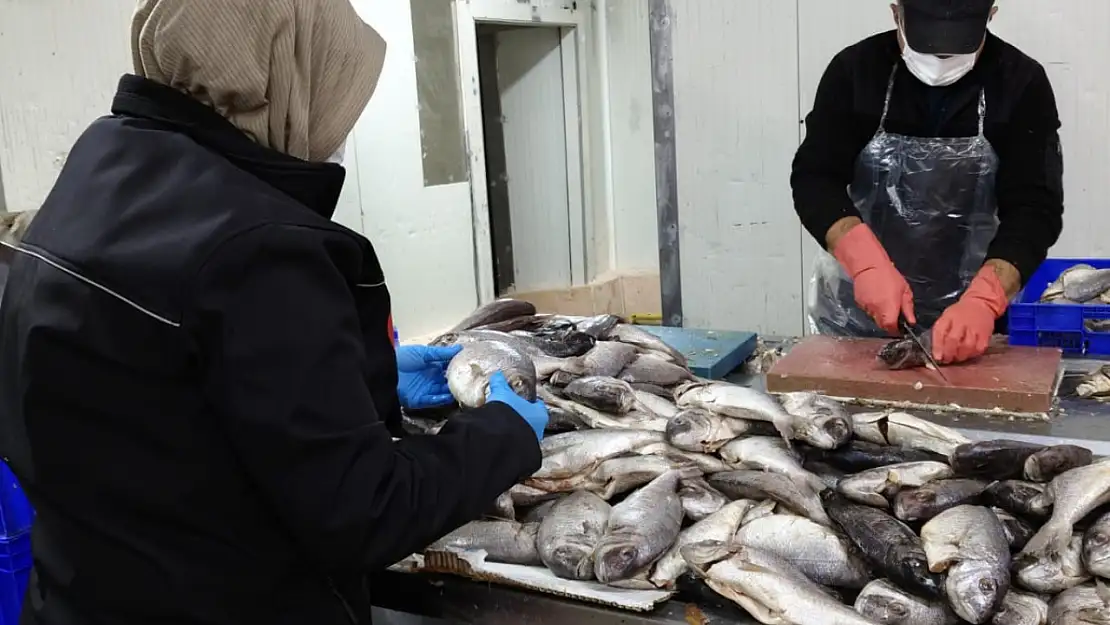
928,355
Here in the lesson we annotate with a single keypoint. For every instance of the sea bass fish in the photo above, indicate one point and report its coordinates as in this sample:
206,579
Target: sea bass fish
739,402
907,431
1024,499
773,591
1096,547
970,544
569,534
1074,494
822,554
702,431
1046,464
572,453
995,459
720,526
699,499
1085,285
655,369
1055,572
763,485
887,604
817,420
927,501
887,543
862,455
503,541
645,340
606,394
496,311
640,530
607,359
876,487
618,475
906,353
769,454
1082,605
469,372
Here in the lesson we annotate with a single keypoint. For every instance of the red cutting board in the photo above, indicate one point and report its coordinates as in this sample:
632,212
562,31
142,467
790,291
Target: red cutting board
1013,379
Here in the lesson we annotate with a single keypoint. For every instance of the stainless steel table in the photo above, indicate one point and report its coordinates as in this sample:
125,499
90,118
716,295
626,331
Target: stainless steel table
434,600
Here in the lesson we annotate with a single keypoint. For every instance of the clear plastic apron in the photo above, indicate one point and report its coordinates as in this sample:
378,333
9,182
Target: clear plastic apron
931,202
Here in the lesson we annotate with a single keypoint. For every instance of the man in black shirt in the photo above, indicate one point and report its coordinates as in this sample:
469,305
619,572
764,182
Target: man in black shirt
932,171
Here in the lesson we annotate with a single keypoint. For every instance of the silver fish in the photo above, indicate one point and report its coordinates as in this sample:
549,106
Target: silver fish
654,369
702,431
527,496
1086,284
1074,495
469,372
574,412
707,463
569,534
822,554
608,359
640,530
875,487
970,544
762,485
720,526
817,420
774,592
653,404
905,430
1019,608
1096,547
699,499
1052,573
1055,290
605,394
643,339
493,312
1095,384
1046,464
1081,605
764,509
887,604
770,454
927,501
740,402
572,453
618,475
503,541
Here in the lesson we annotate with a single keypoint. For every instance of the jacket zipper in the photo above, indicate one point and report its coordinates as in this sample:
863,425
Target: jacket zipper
346,606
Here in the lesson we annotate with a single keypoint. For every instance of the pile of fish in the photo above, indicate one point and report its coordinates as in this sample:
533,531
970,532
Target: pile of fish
1079,284
790,507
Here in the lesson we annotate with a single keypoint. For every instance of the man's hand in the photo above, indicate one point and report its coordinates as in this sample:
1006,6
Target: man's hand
422,375
881,291
964,330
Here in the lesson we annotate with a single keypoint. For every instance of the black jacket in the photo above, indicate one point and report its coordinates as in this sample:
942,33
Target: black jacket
197,384
1022,124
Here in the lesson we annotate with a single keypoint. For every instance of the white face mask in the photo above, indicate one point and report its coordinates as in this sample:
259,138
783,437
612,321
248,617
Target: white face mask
935,71
337,157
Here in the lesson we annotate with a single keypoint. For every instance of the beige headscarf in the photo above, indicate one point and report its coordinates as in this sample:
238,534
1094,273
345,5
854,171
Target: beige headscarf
293,74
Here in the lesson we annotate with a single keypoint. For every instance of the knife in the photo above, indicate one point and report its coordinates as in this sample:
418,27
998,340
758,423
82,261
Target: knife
928,354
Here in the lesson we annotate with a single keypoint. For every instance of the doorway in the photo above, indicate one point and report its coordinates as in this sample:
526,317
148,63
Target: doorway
523,122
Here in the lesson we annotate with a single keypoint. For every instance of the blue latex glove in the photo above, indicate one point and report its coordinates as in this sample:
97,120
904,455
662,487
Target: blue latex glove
422,375
534,412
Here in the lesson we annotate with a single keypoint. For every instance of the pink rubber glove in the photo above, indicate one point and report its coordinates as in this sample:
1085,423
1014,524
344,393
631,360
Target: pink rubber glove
881,291
964,330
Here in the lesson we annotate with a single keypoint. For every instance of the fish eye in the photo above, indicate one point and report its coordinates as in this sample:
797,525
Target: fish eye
986,585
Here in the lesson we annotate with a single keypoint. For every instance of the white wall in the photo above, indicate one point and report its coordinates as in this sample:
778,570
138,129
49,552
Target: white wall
745,75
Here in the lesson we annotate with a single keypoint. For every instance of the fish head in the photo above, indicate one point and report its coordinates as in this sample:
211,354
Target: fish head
1096,548
690,429
896,354
617,561
827,431
883,609
910,503
916,567
976,589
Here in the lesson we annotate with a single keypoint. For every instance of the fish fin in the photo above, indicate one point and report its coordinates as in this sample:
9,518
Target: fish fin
752,567
701,554
1049,541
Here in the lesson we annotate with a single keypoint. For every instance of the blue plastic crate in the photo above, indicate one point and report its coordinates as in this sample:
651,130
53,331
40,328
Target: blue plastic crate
1058,325
15,571
16,514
